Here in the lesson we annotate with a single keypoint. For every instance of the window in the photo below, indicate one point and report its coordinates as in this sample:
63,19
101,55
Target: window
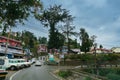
1,62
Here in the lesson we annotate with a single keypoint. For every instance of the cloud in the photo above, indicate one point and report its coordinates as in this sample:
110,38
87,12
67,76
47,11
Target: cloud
98,17
96,3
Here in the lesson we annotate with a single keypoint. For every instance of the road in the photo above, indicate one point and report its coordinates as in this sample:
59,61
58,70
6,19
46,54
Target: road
34,73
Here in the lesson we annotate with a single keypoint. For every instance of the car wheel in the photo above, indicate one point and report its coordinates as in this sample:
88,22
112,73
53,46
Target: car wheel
12,68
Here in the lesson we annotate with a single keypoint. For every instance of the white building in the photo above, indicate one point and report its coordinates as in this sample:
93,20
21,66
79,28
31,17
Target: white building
116,49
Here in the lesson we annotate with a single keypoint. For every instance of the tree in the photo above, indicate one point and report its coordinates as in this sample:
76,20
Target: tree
42,40
51,17
14,11
101,46
30,42
74,44
68,30
93,37
60,40
85,41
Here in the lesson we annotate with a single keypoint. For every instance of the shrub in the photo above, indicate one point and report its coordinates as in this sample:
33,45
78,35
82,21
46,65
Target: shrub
88,78
104,72
113,76
65,74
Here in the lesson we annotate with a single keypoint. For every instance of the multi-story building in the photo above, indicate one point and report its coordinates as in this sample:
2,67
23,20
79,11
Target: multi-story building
10,47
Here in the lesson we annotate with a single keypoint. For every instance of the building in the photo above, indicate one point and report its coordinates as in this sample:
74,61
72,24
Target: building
10,47
101,50
42,48
116,49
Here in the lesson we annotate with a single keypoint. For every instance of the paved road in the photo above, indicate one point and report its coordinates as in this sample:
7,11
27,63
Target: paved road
34,73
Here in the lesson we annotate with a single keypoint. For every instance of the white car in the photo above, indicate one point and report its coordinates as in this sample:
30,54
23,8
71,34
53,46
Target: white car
3,71
14,64
38,63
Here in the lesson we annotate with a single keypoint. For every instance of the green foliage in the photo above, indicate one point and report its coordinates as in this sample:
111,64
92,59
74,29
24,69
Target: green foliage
50,17
60,39
13,11
110,73
88,78
74,44
86,57
100,57
42,40
72,56
65,74
112,76
43,53
30,41
86,41
104,72
112,57
87,70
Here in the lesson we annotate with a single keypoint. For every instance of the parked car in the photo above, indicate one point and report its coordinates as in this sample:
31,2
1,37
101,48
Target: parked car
33,60
11,64
38,63
23,63
3,71
14,64
27,63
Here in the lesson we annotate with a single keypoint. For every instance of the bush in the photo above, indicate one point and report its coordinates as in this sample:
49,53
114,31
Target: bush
65,74
113,76
88,78
104,72
110,73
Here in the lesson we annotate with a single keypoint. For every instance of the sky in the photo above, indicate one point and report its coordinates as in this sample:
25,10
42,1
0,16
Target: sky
98,17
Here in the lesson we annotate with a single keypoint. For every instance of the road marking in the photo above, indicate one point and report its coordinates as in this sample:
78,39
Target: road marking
14,74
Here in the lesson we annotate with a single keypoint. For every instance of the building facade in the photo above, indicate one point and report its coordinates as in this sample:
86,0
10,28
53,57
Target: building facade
42,48
11,47
116,49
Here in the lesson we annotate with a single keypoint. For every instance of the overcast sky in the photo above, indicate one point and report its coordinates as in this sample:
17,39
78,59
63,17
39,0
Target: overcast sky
98,17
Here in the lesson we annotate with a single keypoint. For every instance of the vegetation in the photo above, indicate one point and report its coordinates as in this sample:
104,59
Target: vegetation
16,11
67,30
86,42
89,59
109,73
42,40
13,12
88,78
64,73
50,18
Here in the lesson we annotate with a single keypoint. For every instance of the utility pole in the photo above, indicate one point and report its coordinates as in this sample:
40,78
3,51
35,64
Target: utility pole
6,49
96,64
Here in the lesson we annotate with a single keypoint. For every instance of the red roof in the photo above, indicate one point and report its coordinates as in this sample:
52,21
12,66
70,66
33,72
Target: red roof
9,39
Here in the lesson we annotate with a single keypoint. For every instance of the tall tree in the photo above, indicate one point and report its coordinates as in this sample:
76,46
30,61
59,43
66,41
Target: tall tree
14,11
30,41
68,30
93,38
51,17
85,41
60,40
